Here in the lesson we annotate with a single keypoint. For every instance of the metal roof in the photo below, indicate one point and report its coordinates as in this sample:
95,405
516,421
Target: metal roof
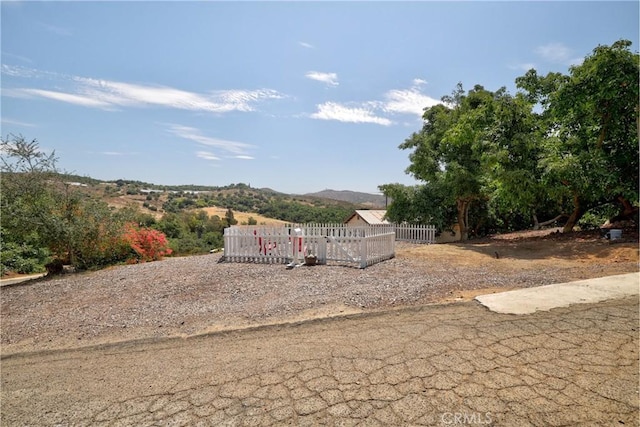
371,216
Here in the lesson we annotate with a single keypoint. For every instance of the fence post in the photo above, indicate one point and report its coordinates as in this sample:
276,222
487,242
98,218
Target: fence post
322,250
363,252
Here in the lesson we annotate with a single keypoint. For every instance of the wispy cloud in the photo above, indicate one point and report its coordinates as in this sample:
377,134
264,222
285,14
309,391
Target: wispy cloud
306,45
110,95
410,101
555,52
18,57
524,66
558,53
235,149
69,98
207,155
60,31
8,121
119,153
330,79
342,113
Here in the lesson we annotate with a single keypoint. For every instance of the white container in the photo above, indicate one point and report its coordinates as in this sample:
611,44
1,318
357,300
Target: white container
615,233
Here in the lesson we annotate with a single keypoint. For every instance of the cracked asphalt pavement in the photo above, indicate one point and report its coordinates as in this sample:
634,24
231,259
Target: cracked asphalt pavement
455,364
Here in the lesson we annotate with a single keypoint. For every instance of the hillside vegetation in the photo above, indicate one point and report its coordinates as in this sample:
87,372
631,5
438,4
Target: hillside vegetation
51,218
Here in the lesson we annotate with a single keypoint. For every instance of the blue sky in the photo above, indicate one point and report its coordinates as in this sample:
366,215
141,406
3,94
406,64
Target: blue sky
295,96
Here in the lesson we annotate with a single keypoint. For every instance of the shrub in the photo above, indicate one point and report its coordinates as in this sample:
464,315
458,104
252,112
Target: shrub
23,258
148,244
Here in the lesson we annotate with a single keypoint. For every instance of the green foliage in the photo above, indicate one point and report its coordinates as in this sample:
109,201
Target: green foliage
228,216
561,147
594,219
23,258
192,232
590,119
299,212
448,151
42,214
422,204
40,209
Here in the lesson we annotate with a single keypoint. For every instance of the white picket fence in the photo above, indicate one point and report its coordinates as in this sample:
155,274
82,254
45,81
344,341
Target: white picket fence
336,243
361,246
415,233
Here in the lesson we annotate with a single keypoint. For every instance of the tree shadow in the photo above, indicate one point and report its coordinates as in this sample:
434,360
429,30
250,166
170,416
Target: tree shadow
583,245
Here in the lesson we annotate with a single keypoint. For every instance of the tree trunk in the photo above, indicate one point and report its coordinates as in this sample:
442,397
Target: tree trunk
627,211
463,218
538,225
575,216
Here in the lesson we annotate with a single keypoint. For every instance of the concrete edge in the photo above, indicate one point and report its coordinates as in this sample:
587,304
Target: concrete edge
544,298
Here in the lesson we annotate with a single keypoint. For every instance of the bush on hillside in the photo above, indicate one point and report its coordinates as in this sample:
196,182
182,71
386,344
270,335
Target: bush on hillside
148,244
23,258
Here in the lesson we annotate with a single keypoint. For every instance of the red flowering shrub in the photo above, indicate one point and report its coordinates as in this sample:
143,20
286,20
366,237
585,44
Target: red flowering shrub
148,244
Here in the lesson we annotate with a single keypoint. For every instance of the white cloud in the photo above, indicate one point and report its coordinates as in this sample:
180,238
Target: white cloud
233,147
555,52
408,101
307,45
61,31
16,71
525,66
207,155
110,95
242,100
576,61
395,101
9,121
84,101
330,79
18,57
245,157
335,111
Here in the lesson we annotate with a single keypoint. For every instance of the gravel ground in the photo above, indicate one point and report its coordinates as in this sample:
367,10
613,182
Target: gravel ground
185,296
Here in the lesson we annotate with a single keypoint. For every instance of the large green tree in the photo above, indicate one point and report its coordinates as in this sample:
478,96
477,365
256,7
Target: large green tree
26,196
513,154
419,204
591,129
448,151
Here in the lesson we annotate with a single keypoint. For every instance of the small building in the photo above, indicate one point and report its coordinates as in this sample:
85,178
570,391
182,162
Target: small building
367,217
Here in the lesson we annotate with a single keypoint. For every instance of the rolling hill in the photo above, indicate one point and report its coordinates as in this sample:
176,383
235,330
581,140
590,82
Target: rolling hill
366,200
260,203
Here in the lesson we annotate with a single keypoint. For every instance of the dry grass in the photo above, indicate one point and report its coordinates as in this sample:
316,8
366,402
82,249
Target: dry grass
243,217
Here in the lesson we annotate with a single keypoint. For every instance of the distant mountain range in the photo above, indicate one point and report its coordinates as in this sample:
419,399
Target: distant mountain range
365,199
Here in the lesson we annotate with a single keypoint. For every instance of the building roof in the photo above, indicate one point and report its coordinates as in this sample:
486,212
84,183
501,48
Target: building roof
370,216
